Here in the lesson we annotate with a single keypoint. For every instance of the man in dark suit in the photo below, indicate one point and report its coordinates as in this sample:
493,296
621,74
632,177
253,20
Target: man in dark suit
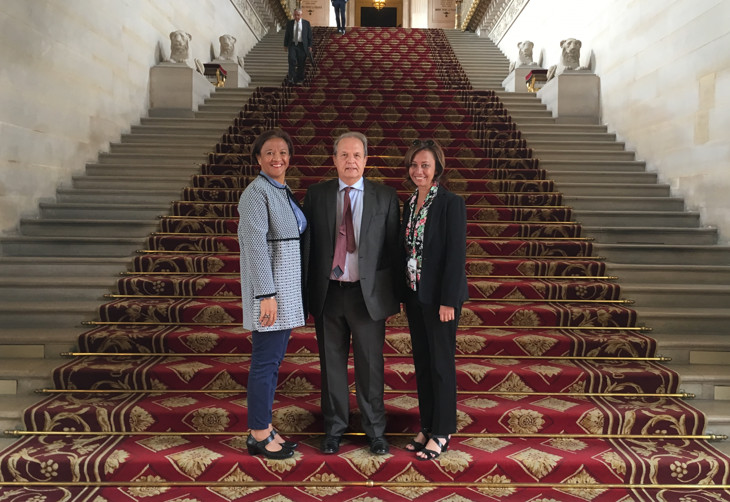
298,44
352,288
340,8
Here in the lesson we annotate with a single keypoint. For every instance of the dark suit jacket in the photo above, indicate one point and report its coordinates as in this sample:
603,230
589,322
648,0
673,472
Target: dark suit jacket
377,250
443,274
306,34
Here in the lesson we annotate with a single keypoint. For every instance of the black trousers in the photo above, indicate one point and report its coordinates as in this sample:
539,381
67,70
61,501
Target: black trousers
297,60
434,351
346,314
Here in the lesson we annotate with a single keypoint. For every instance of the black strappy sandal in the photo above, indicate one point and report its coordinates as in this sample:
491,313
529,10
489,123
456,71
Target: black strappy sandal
415,446
442,441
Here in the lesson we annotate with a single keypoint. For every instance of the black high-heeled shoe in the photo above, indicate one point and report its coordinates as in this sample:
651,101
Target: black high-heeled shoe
443,444
255,447
415,445
286,444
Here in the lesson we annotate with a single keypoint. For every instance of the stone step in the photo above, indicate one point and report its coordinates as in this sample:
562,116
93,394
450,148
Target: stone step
142,169
639,218
718,420
56,289
613,189
111,182
716,296
200,140
11,416
592,165
185,123
684,320
530,115
541,147
52,266
116,247
99,196
55,210
604,203
652,235
528,129
160,149
156,156
624,177
88,228
693,348
50,314
21,377
707,382
688,273
668,254
536,138
584,155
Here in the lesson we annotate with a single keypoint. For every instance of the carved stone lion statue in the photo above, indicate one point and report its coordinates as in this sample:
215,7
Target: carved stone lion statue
569,58
228,47
524,57
180,46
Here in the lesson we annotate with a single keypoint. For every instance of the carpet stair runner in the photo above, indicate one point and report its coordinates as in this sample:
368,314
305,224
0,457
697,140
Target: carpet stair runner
561,397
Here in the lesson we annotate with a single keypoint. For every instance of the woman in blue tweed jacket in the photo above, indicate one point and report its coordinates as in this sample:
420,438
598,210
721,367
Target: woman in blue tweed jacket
271,223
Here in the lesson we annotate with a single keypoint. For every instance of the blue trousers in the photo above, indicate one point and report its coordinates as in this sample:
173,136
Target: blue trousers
268,349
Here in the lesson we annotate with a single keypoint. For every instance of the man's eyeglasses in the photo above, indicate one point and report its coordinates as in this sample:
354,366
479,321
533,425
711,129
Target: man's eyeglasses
421,142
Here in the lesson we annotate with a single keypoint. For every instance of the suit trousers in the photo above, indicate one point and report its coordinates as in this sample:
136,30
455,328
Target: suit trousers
434,351
340,9
267,352
297,60
344,314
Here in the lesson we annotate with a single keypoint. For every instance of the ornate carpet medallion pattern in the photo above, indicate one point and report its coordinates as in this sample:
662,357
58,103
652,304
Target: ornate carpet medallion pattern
561,397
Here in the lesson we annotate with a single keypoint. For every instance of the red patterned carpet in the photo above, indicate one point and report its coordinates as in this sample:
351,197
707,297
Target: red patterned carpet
561,397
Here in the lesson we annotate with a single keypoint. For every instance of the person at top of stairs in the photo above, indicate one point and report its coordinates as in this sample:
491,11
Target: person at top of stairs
433,250
269,232
354,292
298,44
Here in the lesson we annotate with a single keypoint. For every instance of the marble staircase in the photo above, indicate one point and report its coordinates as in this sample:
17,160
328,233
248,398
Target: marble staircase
59,263
665,259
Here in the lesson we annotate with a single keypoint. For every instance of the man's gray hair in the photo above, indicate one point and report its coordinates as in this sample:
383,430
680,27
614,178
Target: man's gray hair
298,9
352,134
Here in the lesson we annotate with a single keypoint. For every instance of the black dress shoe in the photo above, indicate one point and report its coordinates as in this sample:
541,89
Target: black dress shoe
255,447
379,445
287,444
331,444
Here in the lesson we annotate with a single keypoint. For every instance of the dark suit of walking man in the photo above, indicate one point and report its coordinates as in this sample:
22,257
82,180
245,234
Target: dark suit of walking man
298,44
358,299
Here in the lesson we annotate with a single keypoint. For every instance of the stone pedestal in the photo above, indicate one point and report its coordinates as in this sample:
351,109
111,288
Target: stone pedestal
236,76
176,90
515,81
573,97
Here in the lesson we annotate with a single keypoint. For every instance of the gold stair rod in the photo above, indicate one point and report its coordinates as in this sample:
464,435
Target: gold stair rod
472,276
506,238
369,484
581,328
679,395
204,203
468,255
300,354
495,300
480,435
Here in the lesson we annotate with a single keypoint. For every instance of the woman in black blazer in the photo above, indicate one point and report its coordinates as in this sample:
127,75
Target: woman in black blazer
433,238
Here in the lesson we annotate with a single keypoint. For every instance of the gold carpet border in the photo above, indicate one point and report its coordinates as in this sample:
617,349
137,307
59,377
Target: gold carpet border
479,435
309,355
369,484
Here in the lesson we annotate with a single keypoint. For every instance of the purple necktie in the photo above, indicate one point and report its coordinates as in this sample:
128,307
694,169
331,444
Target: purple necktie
345,237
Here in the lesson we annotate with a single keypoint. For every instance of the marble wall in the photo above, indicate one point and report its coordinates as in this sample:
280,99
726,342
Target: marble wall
75,77
664,65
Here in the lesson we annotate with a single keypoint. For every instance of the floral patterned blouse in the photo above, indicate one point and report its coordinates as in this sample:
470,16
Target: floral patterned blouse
414,234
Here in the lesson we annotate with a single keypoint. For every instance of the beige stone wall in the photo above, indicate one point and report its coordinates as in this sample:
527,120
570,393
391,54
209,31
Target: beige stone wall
665,75
74,77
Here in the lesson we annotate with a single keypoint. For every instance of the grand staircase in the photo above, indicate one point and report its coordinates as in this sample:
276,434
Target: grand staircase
562,396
